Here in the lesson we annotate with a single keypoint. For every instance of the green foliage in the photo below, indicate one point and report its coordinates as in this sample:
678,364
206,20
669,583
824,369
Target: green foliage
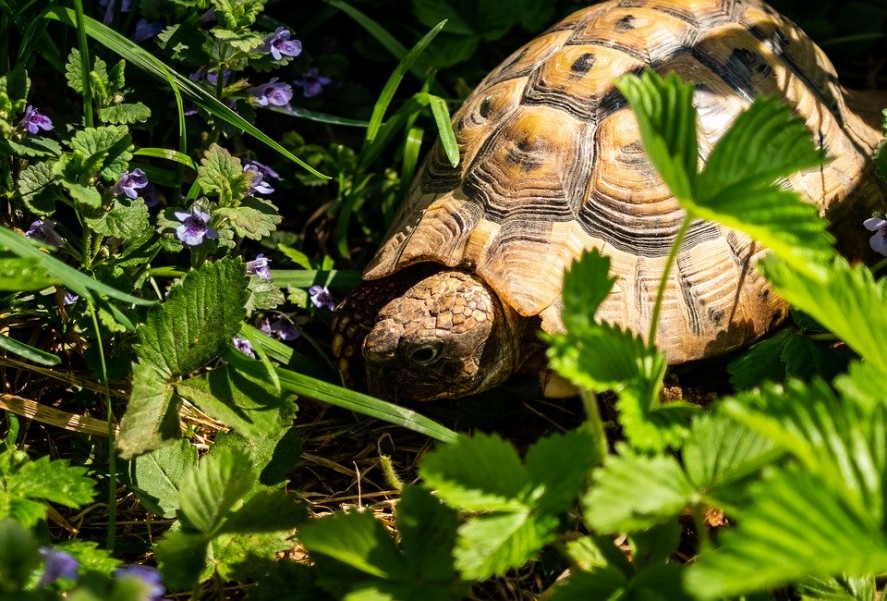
221,507
518,503
192,327
26,486
360,557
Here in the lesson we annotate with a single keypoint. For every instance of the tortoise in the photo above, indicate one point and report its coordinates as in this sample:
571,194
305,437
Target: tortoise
552,165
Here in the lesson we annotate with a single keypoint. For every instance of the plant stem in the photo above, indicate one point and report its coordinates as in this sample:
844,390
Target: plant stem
112,452
594,422
669,263
85,66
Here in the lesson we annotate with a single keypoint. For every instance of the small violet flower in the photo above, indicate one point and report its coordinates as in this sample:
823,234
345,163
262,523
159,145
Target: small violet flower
264,169
130,183
272,93
312,83
259,267
195,227
213,77
45,232
58,564
243,345
146,574
145,30
284,327
321,297
70,298
878,242
258,185
34,121
279,44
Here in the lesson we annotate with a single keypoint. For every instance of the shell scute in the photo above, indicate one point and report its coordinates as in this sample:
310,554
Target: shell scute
552,165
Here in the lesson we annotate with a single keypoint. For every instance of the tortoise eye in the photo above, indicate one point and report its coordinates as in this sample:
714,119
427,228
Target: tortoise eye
425,354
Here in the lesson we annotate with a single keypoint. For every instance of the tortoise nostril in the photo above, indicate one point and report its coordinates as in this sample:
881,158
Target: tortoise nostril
425,354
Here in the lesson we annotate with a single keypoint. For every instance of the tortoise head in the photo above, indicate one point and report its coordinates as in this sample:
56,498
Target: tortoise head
447,335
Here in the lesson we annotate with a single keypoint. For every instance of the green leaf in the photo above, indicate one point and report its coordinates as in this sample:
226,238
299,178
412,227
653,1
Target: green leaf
254,218
586,284
859,588
13,346
211,490
635,492
222,175
667,123
839,441
182,558
795,527
358,540
480,473
247,404
559,465
197,320
235,556
69,277
491,545
35,185
152,414
771,133
155,477
85,196
23,274
34,147
777,218
107,149
655,583
444,127
265,511
427,529
720,451
19,557
54,481
125,114
126,220
846,300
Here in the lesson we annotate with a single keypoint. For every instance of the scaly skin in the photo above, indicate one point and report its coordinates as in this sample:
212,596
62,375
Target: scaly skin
447,335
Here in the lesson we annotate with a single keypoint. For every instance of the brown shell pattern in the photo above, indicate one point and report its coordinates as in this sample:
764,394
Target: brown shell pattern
551,164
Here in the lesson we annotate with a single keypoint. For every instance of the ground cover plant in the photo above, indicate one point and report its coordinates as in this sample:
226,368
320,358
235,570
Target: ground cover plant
190,186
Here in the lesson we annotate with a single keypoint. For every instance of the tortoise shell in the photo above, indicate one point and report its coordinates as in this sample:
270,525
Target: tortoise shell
552,164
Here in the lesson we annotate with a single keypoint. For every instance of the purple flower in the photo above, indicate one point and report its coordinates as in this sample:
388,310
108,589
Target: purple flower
284,327
243,345
57,564
145,30
195,227
878,242
259,267
279,44
321,297
150,196
70,298
213,77
130,183
311,83
272,93
258,185
34,121
45,232
264,169
150,576
108,5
